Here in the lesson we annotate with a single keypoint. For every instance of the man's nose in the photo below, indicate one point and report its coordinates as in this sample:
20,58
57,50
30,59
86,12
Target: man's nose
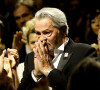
22,20
42,37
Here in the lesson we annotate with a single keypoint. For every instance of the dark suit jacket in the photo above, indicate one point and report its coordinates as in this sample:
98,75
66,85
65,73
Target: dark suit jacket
22,54
98,58
58,77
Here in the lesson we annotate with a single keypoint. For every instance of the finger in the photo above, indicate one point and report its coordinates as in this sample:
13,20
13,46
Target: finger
43,46
39,49
24,41
3,53
12,61
12,50
15,39
46,49
37,53
24,37
2,57
18,35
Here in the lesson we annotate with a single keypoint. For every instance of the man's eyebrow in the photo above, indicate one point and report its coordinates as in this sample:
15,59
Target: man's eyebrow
43,30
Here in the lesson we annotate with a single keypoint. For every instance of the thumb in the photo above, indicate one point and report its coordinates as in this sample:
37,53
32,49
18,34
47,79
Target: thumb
3,53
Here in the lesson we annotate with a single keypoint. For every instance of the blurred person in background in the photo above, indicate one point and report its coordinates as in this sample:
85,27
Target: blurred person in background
92,29
31,36
92,26
24,10
85,75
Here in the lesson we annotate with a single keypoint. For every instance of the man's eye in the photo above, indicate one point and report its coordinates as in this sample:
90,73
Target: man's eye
38,33
17,18
47,33
32,42
25,15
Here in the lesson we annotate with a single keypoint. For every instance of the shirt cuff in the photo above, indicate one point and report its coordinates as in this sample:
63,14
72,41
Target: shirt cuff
49,71
34,78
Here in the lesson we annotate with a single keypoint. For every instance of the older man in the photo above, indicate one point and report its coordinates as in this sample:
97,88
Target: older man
55,54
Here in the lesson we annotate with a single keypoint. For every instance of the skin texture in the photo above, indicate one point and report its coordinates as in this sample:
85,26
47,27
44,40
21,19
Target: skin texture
32,40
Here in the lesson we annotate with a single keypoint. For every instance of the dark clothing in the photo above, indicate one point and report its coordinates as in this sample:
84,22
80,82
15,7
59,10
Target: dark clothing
98,58
22,54
58,77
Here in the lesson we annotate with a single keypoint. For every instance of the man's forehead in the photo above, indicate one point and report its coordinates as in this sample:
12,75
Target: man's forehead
42,24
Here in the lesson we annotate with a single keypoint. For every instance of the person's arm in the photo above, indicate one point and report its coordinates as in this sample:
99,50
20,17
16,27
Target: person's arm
13,57
18,43
15,78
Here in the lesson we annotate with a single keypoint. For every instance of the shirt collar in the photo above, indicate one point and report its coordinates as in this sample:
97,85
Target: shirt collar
61,48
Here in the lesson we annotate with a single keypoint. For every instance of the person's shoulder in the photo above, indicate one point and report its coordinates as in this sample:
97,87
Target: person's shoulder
98,58
83,45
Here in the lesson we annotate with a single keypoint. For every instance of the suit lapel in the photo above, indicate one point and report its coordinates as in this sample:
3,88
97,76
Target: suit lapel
65,55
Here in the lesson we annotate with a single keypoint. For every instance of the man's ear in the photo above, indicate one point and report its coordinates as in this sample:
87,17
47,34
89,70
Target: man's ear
63,30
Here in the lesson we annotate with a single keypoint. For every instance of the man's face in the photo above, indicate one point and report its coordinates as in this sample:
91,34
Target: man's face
47,32
22,14
32,40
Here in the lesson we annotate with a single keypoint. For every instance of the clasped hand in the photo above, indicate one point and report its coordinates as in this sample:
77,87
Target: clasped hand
18,40
10,62
43,59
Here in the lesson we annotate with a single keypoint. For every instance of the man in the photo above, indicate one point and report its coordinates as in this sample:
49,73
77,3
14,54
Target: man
55,54
23,12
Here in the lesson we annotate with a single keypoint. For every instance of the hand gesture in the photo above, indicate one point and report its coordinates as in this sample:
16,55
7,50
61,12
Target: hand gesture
13,57
18,40
43,58
5,65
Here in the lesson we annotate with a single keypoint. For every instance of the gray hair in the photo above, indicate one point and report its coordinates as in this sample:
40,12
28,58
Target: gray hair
56,15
